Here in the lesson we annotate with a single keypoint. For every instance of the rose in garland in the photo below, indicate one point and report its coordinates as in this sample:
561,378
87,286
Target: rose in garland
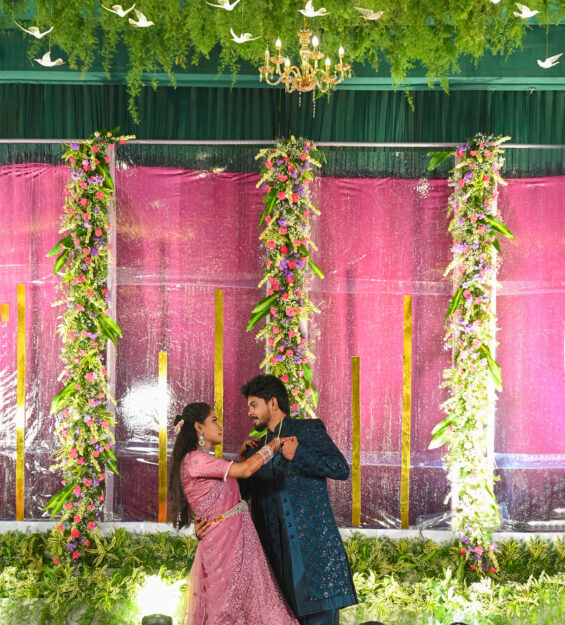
288,268
84,432
471,326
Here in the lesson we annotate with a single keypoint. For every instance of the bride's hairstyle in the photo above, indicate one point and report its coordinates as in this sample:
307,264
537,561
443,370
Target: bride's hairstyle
187,440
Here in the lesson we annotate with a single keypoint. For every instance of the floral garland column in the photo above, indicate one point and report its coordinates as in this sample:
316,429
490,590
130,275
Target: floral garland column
85,435
471,326
288,269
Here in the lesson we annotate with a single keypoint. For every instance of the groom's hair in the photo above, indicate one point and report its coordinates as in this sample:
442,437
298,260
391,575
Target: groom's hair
266,387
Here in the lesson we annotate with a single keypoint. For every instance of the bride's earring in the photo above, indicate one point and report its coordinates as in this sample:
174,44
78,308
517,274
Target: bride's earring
201,439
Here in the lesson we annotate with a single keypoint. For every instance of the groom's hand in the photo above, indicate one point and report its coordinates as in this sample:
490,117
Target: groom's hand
289,446
252,443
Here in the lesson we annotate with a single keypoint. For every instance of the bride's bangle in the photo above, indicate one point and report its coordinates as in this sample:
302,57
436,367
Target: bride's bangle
277,443
266,453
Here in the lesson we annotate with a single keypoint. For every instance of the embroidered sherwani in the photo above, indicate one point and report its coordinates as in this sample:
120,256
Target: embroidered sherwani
291,511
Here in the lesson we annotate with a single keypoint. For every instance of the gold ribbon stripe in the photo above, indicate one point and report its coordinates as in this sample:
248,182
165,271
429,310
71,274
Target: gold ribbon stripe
406,412
20,401
356,441
163,437
219,363
5,312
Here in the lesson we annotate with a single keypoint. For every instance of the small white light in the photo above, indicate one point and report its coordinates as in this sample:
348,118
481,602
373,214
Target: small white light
315,41
157,597
278,43
328,62
287,62
341,51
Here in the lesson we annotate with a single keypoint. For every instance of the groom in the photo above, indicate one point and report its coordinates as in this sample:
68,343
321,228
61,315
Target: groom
291,509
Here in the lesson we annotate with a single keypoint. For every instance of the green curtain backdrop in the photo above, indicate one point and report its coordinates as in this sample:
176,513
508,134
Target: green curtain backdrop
208,113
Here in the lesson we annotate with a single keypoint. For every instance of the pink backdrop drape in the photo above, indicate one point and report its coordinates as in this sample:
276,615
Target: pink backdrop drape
182,233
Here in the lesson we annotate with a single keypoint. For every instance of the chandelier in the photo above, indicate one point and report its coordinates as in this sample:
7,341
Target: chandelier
309,76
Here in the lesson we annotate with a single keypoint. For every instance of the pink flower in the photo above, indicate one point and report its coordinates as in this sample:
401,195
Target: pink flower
77,490
272,310
308,392
473,218
273,360
485,178
268,164
461,182
81,278
91,402
295,197
463,551
289,311
284,249
473,567
291,168
492,547
107,159
56,560
291,333
101,498
283,230
473,152
75,533
488,154
100,195
281,195
91,525
481,229
271,341
294,406
88,260
467,294
271,245
73,453
68,505
276,330
288,352
303,156
306,212
87,482
89,377
84,201
104,371
267,188
479,550
291,264
283,178
492,570
76,554
284,378
107,446
77,518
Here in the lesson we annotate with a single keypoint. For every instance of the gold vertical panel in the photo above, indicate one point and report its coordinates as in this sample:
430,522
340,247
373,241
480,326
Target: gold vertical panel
406,412
5,312
163,405
219,363
20,401
356,441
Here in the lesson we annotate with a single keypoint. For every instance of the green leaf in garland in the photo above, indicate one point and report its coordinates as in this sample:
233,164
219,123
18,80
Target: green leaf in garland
493,366
499,227
307,375
443,423
57,501
304,251
257,433
315,268
60,261
270,199
110,323
496,244
314,396
255,318
67,243
264,303
437,159
105,171
59,399
454,303
440,437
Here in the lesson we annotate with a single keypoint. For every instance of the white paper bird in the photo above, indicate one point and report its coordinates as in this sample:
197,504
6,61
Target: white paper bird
373,15
33,30
243,37
46,61
118,10
142,21
550,61
309,11
525,12
224,4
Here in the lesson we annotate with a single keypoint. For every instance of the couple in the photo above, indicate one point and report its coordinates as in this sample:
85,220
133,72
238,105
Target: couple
289,544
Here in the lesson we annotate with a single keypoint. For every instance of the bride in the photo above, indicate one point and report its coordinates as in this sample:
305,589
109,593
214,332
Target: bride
230,582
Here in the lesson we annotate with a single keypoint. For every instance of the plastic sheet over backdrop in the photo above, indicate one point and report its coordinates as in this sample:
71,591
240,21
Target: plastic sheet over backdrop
183,233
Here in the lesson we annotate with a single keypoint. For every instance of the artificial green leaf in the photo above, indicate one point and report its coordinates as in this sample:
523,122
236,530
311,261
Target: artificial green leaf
493,366
257,433
58,500
443,423
314,396
304,251
307,374
269,203
59,399
56,249
105,171
110,324
105,331
440,438
496,244
264,304
255,318
315,268
60,261
454,303
437,158
499,227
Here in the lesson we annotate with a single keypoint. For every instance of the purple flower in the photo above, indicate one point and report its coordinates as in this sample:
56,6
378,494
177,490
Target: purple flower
74,146
76,174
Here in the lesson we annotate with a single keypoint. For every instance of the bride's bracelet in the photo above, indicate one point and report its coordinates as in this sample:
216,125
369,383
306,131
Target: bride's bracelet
278,444
266,453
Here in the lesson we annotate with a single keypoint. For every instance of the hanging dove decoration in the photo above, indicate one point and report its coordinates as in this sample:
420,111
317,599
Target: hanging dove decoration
118,10
141,22
224,4
525,12
46,61
372,15
550,61
309,11
33,30
243,38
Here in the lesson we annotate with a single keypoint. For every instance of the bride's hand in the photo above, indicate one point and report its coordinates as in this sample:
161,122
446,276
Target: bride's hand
201,526
252,443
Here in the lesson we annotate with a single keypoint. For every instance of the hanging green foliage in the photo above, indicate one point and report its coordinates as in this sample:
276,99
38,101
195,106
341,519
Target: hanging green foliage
432,34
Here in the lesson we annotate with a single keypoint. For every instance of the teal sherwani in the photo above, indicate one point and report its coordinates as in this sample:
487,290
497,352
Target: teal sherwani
295,522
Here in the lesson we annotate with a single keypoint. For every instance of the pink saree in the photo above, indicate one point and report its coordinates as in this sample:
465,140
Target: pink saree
231,582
